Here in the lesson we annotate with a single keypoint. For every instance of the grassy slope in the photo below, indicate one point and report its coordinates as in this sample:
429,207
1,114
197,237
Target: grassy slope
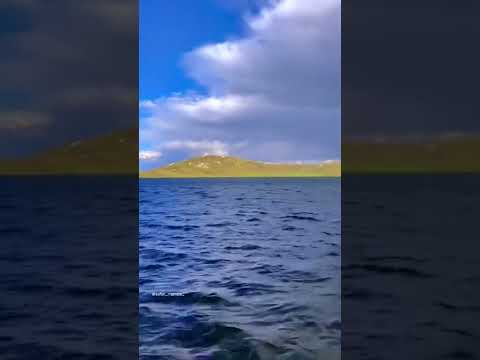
455,155
113,154
217,166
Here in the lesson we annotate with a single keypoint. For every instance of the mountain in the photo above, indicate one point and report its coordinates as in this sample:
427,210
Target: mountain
435,155
116,153
227,166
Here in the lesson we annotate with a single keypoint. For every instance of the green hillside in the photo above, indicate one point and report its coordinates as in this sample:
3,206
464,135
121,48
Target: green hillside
227,166
116,153
447,155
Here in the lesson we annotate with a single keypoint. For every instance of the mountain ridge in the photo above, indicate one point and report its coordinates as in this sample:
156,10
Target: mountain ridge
229,166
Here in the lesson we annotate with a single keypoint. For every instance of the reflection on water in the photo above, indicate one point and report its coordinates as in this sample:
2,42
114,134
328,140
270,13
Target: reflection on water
240,269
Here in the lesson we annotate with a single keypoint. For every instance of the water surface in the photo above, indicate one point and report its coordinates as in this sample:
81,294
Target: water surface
240,269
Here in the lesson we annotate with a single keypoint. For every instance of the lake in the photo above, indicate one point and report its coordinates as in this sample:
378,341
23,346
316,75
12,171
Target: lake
240,268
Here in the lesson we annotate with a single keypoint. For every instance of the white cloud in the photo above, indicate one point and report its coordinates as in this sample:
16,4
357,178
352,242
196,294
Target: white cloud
291,10
148,104
204,147
149,155
278,88
291,54
201,108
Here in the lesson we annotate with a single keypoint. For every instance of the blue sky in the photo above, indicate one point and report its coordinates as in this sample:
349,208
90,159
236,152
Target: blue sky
255,79
168,29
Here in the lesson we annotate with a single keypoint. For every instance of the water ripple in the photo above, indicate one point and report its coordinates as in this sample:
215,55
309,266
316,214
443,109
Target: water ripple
240,269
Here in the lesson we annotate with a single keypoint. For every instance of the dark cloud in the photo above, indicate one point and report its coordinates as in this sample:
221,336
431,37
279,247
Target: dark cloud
73,62
410,68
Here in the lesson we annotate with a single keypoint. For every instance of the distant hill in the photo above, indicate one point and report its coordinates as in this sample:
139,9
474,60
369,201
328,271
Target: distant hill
435,155
227,166
116,153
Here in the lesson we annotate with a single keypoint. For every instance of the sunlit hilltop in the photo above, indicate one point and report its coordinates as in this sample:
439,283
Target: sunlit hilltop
228,166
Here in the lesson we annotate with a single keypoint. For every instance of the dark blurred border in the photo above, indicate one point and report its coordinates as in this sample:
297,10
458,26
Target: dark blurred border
410,141
69,179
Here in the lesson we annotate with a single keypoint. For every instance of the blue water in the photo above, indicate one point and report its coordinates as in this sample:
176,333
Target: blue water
240,269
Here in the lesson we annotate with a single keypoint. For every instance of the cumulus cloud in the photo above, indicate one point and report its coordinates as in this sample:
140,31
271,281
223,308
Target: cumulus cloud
149,155
202,108
214,147
277,88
